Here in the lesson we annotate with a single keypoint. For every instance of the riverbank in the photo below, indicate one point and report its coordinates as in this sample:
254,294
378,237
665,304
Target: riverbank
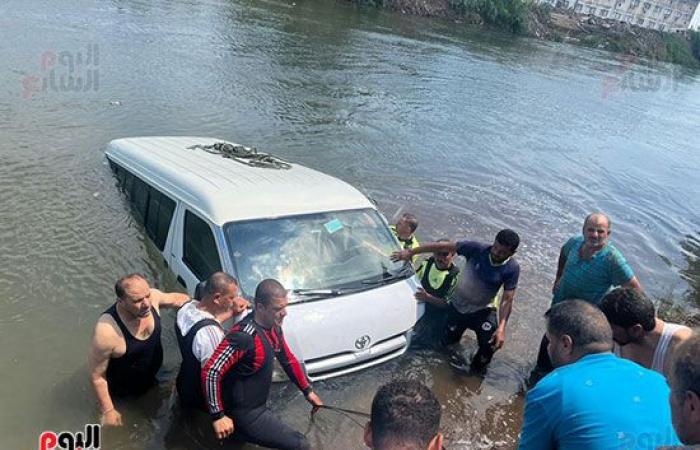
560,25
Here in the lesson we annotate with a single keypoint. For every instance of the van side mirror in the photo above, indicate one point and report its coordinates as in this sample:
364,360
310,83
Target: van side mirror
199,290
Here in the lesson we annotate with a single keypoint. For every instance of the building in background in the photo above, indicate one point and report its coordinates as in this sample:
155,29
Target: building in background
663,15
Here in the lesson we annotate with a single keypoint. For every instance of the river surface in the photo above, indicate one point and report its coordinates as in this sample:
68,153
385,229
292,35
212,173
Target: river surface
471,131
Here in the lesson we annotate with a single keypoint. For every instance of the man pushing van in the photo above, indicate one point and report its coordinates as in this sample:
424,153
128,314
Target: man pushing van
126,351
238,376
476,302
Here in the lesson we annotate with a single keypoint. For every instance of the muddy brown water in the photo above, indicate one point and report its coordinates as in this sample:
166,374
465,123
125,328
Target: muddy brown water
471,131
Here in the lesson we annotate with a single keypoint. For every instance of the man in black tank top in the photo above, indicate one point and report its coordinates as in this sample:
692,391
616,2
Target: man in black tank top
126,351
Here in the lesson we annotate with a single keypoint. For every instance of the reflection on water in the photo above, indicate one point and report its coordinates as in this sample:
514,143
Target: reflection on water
470,131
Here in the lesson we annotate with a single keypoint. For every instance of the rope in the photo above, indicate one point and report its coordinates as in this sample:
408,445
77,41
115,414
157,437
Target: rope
348,413
244,155
344,410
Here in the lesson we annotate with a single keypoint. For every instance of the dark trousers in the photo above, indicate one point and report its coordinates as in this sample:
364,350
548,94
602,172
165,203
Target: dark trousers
259,426
483,322
428,331
544,363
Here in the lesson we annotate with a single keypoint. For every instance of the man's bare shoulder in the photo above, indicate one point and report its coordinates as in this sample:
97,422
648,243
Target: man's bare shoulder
107,332
681,335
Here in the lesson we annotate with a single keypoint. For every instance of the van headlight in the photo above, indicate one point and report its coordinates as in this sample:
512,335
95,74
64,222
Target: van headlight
278,373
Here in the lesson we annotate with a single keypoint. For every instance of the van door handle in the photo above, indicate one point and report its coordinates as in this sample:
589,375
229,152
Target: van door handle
181,281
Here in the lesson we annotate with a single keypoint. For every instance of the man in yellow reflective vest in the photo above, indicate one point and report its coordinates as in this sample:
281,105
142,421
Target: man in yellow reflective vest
405,232
437,275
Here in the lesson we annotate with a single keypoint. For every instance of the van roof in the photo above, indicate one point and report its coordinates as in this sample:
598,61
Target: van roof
224,190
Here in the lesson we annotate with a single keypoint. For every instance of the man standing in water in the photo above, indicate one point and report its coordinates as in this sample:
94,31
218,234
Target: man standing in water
438,276
126,351
642,337
589,266
238,376
199,330
474,302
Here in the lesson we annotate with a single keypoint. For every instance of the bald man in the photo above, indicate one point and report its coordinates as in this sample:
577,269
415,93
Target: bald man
589,266
126,351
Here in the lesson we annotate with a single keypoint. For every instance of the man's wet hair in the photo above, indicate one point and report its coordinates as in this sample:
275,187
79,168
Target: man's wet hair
268,290
602,214
218,283
508,238
685,368
405,414
583,322
626,307
411,220
120,285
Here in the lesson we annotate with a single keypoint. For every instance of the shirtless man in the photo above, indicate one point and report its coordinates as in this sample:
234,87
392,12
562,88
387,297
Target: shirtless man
641,336
126,351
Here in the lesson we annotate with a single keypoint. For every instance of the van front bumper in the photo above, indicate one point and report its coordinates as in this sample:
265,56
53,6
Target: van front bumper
348,362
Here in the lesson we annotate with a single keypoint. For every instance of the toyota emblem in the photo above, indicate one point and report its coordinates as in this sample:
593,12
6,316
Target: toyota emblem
362,342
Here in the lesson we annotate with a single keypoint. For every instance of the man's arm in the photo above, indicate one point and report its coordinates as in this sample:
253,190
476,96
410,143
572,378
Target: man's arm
292,367
560,270
227,355
101,349
168,299
633,283
429,247
206,341
504,309
423,296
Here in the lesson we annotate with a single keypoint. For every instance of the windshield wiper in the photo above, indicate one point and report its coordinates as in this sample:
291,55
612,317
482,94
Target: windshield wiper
318,292
386,278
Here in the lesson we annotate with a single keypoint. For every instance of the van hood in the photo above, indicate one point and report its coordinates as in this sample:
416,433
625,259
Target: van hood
352,323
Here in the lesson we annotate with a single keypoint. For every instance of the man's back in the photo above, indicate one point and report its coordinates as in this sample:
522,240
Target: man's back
599,402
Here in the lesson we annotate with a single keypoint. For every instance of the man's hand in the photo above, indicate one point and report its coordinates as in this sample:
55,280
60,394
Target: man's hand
223,427
111,418
402,255
239,305
421,295
498,339
315,401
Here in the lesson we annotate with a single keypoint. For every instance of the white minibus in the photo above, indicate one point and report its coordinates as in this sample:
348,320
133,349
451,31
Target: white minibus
351,307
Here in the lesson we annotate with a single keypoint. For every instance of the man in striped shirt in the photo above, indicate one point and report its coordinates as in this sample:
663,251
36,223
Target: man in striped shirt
237,378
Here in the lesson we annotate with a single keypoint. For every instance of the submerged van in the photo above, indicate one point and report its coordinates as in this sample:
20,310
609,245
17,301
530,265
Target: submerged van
350,307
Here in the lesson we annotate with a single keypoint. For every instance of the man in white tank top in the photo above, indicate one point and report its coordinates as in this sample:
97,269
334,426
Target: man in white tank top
640,335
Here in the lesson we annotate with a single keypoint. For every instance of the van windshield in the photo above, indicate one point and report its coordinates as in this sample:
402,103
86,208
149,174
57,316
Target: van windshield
324,253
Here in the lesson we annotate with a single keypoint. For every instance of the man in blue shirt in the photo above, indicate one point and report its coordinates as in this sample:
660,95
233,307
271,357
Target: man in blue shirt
593,400
589,266
475,302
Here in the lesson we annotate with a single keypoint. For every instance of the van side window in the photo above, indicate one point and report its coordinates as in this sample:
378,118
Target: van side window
199,251
139,199
160,214
152,208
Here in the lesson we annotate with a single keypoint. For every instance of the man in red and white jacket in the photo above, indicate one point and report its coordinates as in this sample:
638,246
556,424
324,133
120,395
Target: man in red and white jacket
237,378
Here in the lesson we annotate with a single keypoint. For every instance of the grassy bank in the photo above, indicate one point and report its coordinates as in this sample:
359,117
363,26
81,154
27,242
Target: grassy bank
528,18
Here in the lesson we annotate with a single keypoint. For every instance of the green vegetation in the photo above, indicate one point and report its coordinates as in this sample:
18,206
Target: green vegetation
679,52
511,15
695,44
